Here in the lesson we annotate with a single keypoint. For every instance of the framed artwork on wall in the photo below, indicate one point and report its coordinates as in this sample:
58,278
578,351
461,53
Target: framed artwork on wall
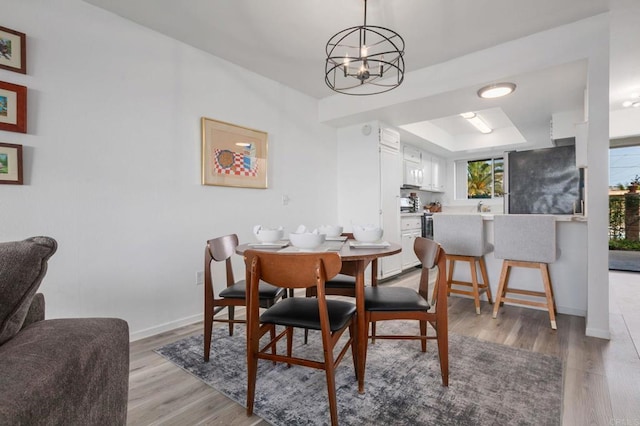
13,107
10,163
13,50
233,155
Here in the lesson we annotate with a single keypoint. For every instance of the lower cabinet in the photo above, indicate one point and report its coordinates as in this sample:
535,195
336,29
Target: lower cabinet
411,228
409,258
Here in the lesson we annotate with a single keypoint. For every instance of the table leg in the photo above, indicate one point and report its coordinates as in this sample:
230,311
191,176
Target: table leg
362,331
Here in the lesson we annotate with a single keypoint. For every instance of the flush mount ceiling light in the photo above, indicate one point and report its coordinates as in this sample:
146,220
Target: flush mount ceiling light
496,90
364,60
478,122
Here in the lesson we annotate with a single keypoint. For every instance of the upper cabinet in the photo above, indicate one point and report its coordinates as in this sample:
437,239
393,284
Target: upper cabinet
434,172
413,175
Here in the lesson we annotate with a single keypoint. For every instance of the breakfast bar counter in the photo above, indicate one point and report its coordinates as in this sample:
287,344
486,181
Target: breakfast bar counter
568,272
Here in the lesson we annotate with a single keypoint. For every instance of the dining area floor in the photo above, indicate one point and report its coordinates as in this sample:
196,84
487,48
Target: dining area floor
600,376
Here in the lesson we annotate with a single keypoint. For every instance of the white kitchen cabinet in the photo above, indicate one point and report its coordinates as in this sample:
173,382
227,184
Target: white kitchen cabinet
434,172
411,228
438,173
412,166
369,180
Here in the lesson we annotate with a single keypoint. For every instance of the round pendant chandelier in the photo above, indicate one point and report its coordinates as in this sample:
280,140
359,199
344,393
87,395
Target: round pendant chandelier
364,60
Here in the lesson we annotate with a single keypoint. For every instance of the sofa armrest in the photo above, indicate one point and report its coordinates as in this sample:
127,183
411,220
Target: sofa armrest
66,371
36,310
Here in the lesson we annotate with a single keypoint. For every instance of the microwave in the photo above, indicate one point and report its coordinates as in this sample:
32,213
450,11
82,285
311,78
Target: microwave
407,205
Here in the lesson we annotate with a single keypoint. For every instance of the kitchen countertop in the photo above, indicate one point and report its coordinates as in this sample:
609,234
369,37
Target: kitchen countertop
558,217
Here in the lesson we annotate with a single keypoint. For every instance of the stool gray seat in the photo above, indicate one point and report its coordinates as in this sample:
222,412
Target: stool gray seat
527,241
463,239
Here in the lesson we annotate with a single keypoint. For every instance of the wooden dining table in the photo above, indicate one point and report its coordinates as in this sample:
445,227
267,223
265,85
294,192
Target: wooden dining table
354,263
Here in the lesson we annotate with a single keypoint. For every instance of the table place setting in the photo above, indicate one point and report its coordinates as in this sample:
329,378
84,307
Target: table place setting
368,236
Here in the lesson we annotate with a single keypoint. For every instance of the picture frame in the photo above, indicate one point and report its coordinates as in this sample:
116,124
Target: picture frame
13,107
233,155
10,164
13,50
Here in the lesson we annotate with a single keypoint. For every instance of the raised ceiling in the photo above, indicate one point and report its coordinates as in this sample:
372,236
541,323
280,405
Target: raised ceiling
284,40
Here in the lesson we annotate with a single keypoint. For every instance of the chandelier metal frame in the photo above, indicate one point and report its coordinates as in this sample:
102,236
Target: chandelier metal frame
364,60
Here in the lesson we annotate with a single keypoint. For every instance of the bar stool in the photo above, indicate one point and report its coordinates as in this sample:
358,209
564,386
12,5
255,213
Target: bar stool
527,241
462,238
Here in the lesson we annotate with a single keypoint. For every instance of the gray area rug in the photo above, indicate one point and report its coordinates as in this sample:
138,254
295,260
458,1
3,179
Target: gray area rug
489,384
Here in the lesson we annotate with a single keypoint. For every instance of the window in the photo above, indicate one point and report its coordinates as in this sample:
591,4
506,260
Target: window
479,179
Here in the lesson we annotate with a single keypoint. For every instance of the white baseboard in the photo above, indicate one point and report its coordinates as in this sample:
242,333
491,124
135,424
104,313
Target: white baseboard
152,331
599,333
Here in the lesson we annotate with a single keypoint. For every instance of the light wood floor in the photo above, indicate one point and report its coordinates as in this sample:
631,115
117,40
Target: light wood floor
601,378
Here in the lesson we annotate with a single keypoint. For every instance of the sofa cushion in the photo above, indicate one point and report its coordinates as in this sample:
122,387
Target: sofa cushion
23,265
68,371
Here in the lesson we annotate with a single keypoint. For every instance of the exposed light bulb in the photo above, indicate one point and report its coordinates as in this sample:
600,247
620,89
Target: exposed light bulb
364,50
636,104
627,104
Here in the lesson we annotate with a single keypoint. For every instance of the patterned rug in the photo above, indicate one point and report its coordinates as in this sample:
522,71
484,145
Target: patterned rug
489,384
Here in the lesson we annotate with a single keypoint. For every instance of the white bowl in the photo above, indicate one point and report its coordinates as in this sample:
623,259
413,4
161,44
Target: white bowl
330,230
306,240
269,235
367,234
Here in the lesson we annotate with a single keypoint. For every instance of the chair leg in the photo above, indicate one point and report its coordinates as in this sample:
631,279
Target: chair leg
289,342
373,332
474,282
443,351
331,388
502,287
353,333
252,369
208,329
231,311
485,278
551,304
423,333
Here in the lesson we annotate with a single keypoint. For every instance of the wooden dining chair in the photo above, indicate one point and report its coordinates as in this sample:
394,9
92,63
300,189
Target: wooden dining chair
383,303
343,284
220,250
330,317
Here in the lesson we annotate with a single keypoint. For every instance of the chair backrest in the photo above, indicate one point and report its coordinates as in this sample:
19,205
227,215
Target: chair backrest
431,254
293,270
219,249
525,237
461,234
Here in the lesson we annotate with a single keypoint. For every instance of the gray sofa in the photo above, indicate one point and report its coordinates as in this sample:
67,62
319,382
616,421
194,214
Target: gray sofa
59,371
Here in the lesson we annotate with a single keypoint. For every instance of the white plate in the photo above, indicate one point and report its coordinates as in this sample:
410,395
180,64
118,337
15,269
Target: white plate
379,244
277,244
337,238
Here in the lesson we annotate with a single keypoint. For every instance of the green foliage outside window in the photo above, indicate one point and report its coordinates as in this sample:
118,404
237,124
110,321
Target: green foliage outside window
485,178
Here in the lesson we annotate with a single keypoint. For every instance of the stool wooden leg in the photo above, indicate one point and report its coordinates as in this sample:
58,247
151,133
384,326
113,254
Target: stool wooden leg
485,278
551,305
474,281
450,275
502,286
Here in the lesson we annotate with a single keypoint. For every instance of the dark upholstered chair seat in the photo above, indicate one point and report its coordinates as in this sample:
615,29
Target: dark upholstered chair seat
238,291
393,299
341,281
304,313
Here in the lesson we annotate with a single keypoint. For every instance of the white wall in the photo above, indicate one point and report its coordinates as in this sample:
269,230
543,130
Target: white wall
112,162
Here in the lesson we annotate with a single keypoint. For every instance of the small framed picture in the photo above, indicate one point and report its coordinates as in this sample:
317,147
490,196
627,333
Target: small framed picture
13,50
13,107
233,155
10,163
